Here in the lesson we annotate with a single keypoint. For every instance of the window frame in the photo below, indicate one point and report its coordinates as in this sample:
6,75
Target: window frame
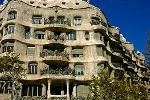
37,19
79,70
71,35
10,29
75,55
77,21
39,35
32,68
12,15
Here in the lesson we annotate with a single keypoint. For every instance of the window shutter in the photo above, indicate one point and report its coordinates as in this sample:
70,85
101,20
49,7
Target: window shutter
99,51
77,51
31,51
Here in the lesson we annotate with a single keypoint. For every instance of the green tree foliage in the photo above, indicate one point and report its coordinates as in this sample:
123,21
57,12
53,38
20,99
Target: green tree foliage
11,66
105,88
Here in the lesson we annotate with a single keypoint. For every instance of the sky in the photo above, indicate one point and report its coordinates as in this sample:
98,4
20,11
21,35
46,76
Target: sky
131,16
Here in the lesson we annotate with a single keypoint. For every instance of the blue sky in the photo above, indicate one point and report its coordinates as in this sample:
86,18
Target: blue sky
132,16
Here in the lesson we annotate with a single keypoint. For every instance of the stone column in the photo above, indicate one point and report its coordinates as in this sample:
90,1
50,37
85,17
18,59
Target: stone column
62,90
49,89
31,33
67,83
74,93
43,90
20,91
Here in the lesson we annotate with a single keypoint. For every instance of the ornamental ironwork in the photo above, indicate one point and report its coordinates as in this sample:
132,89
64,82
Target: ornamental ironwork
53,53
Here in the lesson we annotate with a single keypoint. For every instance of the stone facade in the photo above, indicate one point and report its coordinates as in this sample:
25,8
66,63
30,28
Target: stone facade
63,43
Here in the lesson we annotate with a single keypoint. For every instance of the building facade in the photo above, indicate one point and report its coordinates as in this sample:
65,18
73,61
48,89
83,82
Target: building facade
63,43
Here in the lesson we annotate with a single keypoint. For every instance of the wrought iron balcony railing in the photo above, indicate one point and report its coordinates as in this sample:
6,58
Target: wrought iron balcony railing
60,22
58,71
53,53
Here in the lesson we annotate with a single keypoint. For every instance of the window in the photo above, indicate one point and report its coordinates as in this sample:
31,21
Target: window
98,36
77,52
71,36
31,50
37,19
60,19
12,15
95,21
77,21
39,35
32,90
10,29
8,47
32,68
87,37
27,33
79,69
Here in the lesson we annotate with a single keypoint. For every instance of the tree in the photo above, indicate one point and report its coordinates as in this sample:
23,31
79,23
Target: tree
105,88
11,70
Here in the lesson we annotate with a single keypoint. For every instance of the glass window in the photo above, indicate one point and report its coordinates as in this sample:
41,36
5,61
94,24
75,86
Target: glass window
39,35
71,36
77,52
10,29
37,19
8,47
79,69
32,90
12,15
31,50
32,68
27,33
77,21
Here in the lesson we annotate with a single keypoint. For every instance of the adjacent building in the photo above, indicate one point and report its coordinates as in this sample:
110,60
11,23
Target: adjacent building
63,43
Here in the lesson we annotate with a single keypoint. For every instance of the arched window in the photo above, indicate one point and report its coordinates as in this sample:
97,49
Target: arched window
79,69
12,15
39,35
8,47
71,35
32,68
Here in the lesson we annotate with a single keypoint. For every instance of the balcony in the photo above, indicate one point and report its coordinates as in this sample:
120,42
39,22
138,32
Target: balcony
56,37
58,71
57,22
32,98
116,52
115,37
54,55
